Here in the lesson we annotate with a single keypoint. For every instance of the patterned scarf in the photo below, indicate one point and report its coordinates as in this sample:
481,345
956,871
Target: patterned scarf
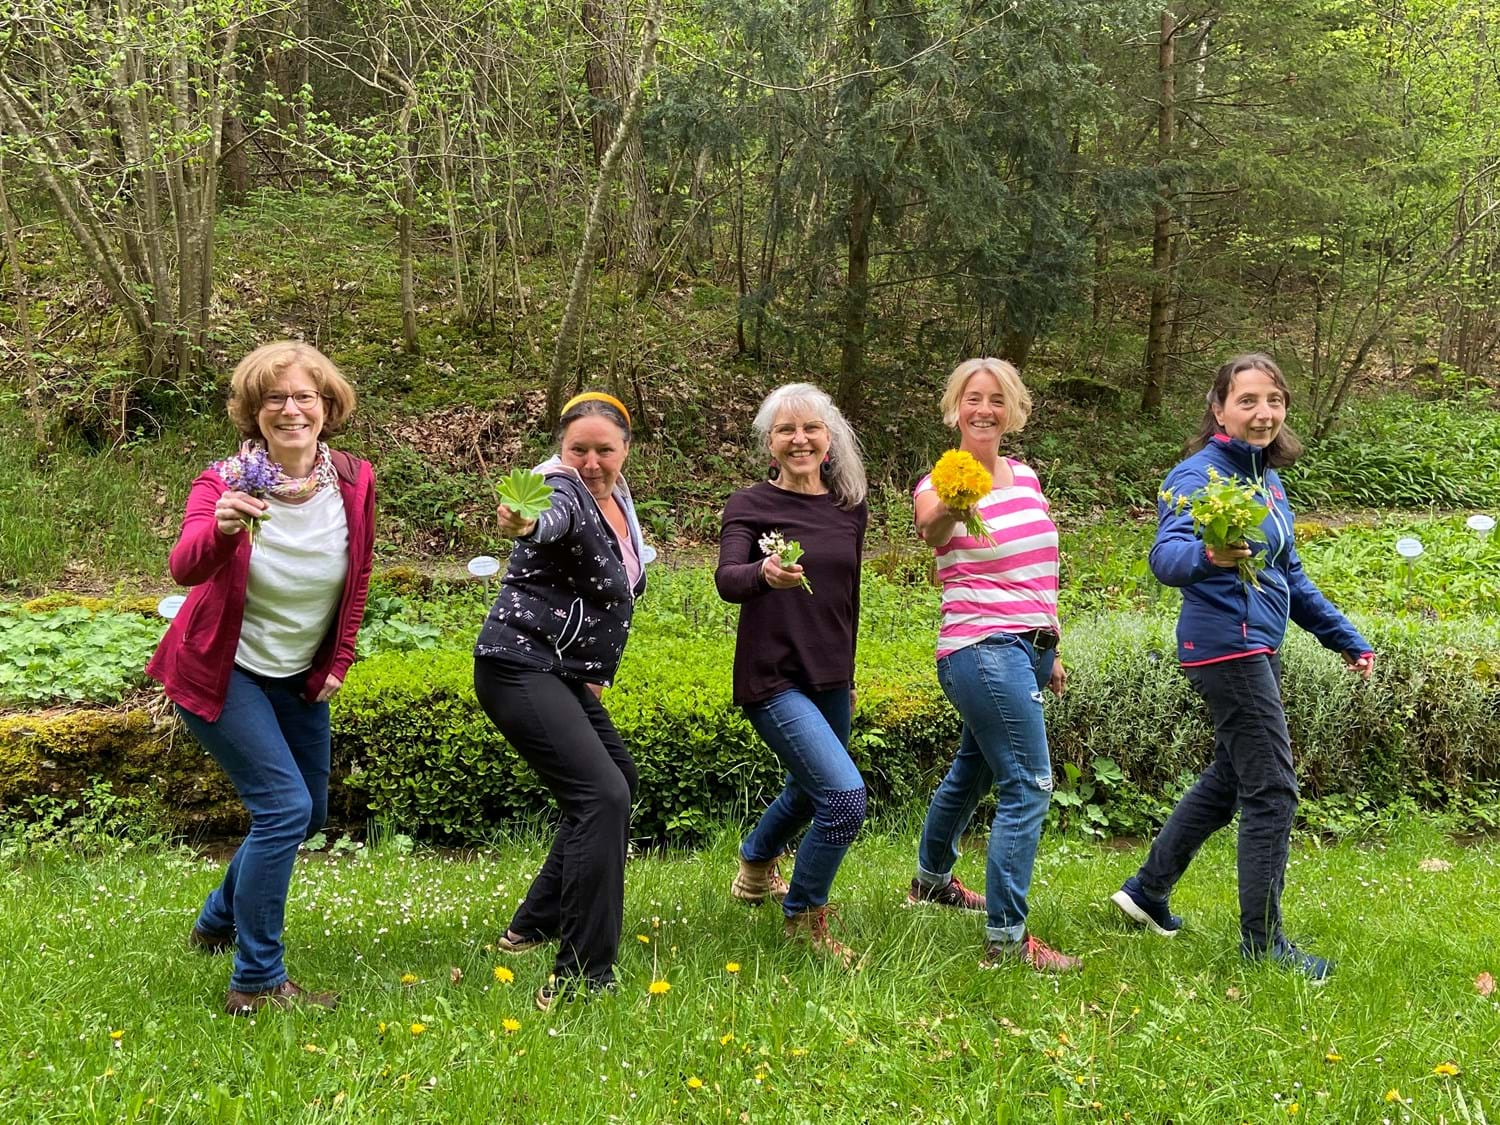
252,470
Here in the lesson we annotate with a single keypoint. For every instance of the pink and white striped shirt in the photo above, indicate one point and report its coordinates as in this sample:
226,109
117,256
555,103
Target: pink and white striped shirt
1007,588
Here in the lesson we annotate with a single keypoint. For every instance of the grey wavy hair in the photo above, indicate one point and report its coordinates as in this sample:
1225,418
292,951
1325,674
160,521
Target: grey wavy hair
846,471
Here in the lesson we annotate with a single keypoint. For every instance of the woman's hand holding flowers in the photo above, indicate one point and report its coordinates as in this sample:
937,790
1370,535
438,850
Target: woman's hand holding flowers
236,511
780,577
1227,557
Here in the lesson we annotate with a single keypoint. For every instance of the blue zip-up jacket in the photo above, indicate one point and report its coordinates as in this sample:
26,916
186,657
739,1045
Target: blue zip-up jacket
1223,618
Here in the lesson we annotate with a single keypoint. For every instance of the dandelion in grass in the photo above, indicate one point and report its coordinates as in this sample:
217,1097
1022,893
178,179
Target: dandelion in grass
643,939
732,967
380,1028
115,1037
659,988
726,1039
408,979
695,1083
313,1049
787,550
504,975
1293,1109
1445,1070
1226,513
961,482
1393,1095
1333,1057
418,1028
511,1026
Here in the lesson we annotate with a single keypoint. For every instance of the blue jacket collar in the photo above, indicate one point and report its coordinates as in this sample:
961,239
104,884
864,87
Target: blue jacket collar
1246,459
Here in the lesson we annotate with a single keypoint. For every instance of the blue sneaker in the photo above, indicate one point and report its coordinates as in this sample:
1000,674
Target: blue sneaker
1144,910
1288,956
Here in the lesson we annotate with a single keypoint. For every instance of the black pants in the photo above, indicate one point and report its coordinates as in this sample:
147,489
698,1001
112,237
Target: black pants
565,734
1252,772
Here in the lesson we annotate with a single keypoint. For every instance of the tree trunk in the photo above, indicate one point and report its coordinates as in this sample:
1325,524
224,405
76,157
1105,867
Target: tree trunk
34,408
568,330
859,219
1161,225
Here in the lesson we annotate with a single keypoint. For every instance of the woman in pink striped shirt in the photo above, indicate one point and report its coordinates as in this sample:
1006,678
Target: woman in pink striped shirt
997,650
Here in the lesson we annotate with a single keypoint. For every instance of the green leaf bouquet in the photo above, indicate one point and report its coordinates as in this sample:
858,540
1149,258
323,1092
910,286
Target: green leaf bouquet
1226,513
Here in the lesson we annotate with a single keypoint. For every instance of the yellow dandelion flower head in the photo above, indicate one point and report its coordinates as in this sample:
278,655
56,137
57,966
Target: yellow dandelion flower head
959,480
511,1025
408,978
1393,1095
797,1052
1333,1057
504,975
659,988
380,1028
726,1039
117,1035
695,1083
1293,1109
643,939
1445,1070
732,967
418,1028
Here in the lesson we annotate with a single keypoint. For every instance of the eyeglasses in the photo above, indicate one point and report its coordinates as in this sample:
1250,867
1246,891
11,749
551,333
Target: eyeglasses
277,401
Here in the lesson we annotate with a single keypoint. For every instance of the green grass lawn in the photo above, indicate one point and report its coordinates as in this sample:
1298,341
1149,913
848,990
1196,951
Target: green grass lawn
107,1016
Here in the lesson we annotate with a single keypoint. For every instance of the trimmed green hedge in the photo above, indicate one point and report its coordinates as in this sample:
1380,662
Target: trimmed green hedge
412,746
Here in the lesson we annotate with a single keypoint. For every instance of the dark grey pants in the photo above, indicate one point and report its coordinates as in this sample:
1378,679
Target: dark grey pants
1251,772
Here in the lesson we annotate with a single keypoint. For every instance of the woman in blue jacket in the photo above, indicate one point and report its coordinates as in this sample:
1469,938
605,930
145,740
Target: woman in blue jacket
1229,637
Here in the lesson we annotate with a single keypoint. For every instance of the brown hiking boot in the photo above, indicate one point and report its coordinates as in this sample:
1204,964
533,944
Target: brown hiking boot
287,994
812,925
1030,951
755,882
954,894
512,942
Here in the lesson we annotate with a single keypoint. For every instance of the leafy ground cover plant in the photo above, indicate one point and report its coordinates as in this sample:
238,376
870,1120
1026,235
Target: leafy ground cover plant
72,655
717,1018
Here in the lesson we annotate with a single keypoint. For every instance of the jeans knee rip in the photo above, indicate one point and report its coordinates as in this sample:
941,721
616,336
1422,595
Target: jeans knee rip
1043,782
1036,696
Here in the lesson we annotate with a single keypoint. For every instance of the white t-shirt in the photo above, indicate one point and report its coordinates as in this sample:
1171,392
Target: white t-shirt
297,572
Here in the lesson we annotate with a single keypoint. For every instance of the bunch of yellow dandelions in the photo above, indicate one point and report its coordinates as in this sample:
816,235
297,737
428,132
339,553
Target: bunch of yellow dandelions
961,482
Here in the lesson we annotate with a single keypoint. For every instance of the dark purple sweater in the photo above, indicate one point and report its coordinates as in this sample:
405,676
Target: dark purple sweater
790,638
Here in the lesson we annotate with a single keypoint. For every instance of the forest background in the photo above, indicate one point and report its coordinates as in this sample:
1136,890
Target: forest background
857,192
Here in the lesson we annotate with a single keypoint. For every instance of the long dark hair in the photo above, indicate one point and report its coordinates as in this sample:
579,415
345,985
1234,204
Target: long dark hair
1286,447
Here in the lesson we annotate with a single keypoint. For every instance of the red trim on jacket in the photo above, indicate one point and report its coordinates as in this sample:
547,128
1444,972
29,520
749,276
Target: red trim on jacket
195,657
1230,656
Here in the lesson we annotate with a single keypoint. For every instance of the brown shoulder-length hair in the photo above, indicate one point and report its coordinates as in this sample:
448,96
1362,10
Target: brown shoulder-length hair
1286,447
259,371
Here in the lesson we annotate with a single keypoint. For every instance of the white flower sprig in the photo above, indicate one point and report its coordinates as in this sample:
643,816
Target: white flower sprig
787,550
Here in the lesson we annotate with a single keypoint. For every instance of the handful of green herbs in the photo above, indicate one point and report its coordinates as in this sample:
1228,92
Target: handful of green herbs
526,493
1226,514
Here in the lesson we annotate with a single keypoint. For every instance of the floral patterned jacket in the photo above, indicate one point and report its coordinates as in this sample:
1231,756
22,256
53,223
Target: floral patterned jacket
565,603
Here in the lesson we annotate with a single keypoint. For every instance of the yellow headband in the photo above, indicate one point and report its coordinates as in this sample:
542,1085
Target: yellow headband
596,396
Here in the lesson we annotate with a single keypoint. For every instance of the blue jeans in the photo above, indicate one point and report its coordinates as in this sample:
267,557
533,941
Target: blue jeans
996,687
809,732
274,746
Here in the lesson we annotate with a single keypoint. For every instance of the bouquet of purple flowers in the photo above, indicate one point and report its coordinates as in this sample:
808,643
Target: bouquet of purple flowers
252,472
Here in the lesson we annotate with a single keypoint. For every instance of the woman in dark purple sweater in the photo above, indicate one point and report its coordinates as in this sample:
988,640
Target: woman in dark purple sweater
794,654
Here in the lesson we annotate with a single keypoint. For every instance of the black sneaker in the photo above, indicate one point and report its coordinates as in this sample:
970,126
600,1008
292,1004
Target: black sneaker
1144,910
1288,956
953,894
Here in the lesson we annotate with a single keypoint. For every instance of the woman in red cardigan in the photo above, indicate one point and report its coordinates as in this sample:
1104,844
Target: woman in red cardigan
276,544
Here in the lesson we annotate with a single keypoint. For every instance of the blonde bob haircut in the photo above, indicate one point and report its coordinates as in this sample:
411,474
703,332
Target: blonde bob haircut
1017,397
262,369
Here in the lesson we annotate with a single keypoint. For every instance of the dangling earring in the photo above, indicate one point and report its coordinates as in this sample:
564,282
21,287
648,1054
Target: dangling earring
826,467
774,472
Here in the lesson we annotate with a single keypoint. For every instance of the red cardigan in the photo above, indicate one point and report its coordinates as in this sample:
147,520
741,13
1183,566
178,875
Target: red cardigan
195,657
